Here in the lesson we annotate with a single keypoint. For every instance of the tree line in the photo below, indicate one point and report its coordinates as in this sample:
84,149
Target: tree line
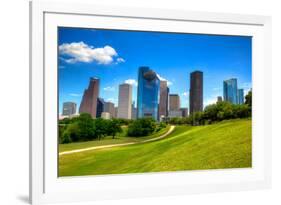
85,128
217,112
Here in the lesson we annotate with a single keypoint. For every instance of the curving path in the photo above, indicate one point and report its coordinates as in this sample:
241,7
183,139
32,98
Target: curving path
118,145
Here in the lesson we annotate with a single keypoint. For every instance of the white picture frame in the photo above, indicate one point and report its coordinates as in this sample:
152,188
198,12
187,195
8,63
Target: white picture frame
46,187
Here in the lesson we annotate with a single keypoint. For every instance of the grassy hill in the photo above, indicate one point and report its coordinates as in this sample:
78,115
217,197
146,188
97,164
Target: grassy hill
227,144
120,138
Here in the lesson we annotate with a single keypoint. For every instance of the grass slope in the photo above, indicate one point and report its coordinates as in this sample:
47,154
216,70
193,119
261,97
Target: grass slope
119,139
223,145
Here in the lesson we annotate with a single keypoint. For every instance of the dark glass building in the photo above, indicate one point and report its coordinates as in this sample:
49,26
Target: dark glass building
196,92
100,107
230,92
148,93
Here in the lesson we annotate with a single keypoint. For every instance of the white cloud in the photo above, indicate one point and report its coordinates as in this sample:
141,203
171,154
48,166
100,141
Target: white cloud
132,82
108,88
169,83
61,67
120,60
217,89
210,101
111,100
81,52
75,94
185,94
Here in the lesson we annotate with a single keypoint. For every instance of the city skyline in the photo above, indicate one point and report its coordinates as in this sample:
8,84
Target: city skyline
116,64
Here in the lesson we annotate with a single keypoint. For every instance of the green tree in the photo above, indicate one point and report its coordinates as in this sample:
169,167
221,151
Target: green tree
141,127
113,128
71,133
86,127
101,126
248,99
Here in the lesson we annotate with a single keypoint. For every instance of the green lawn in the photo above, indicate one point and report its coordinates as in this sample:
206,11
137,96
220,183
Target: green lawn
120,138
226,144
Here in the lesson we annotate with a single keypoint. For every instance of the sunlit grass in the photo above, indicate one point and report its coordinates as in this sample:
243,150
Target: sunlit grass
226,144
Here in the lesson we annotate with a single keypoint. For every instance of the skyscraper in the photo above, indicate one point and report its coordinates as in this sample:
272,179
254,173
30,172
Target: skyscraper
164,97
100,107
196,92
134,111
125,101
115,112
90,96
109,107
174,102
69,108
148,93
230,93
240,96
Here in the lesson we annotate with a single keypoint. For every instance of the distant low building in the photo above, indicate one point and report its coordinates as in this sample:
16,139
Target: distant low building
61,117
175,113
105,115
219,99
69,108
109,107
184,112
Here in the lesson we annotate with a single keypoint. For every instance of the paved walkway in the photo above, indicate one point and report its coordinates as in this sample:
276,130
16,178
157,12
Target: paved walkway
118,145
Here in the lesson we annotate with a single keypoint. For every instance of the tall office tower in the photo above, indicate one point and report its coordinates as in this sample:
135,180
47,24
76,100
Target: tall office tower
219,99
164,99
100,107
109,107
196,92
134,111
240,96
148,93
230,91
69,108
115,112
174,102
125,101
90,96
184,111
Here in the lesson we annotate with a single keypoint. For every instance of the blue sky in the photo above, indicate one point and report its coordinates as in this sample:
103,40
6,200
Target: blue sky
114,56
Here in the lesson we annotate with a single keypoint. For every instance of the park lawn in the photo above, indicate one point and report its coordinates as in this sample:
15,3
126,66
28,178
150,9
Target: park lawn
120,138
227,144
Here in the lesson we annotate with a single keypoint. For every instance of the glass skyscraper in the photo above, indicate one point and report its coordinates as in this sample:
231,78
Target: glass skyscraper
230,92
240,96
148,93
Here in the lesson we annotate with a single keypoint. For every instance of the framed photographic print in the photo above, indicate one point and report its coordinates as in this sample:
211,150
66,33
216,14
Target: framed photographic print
129,102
